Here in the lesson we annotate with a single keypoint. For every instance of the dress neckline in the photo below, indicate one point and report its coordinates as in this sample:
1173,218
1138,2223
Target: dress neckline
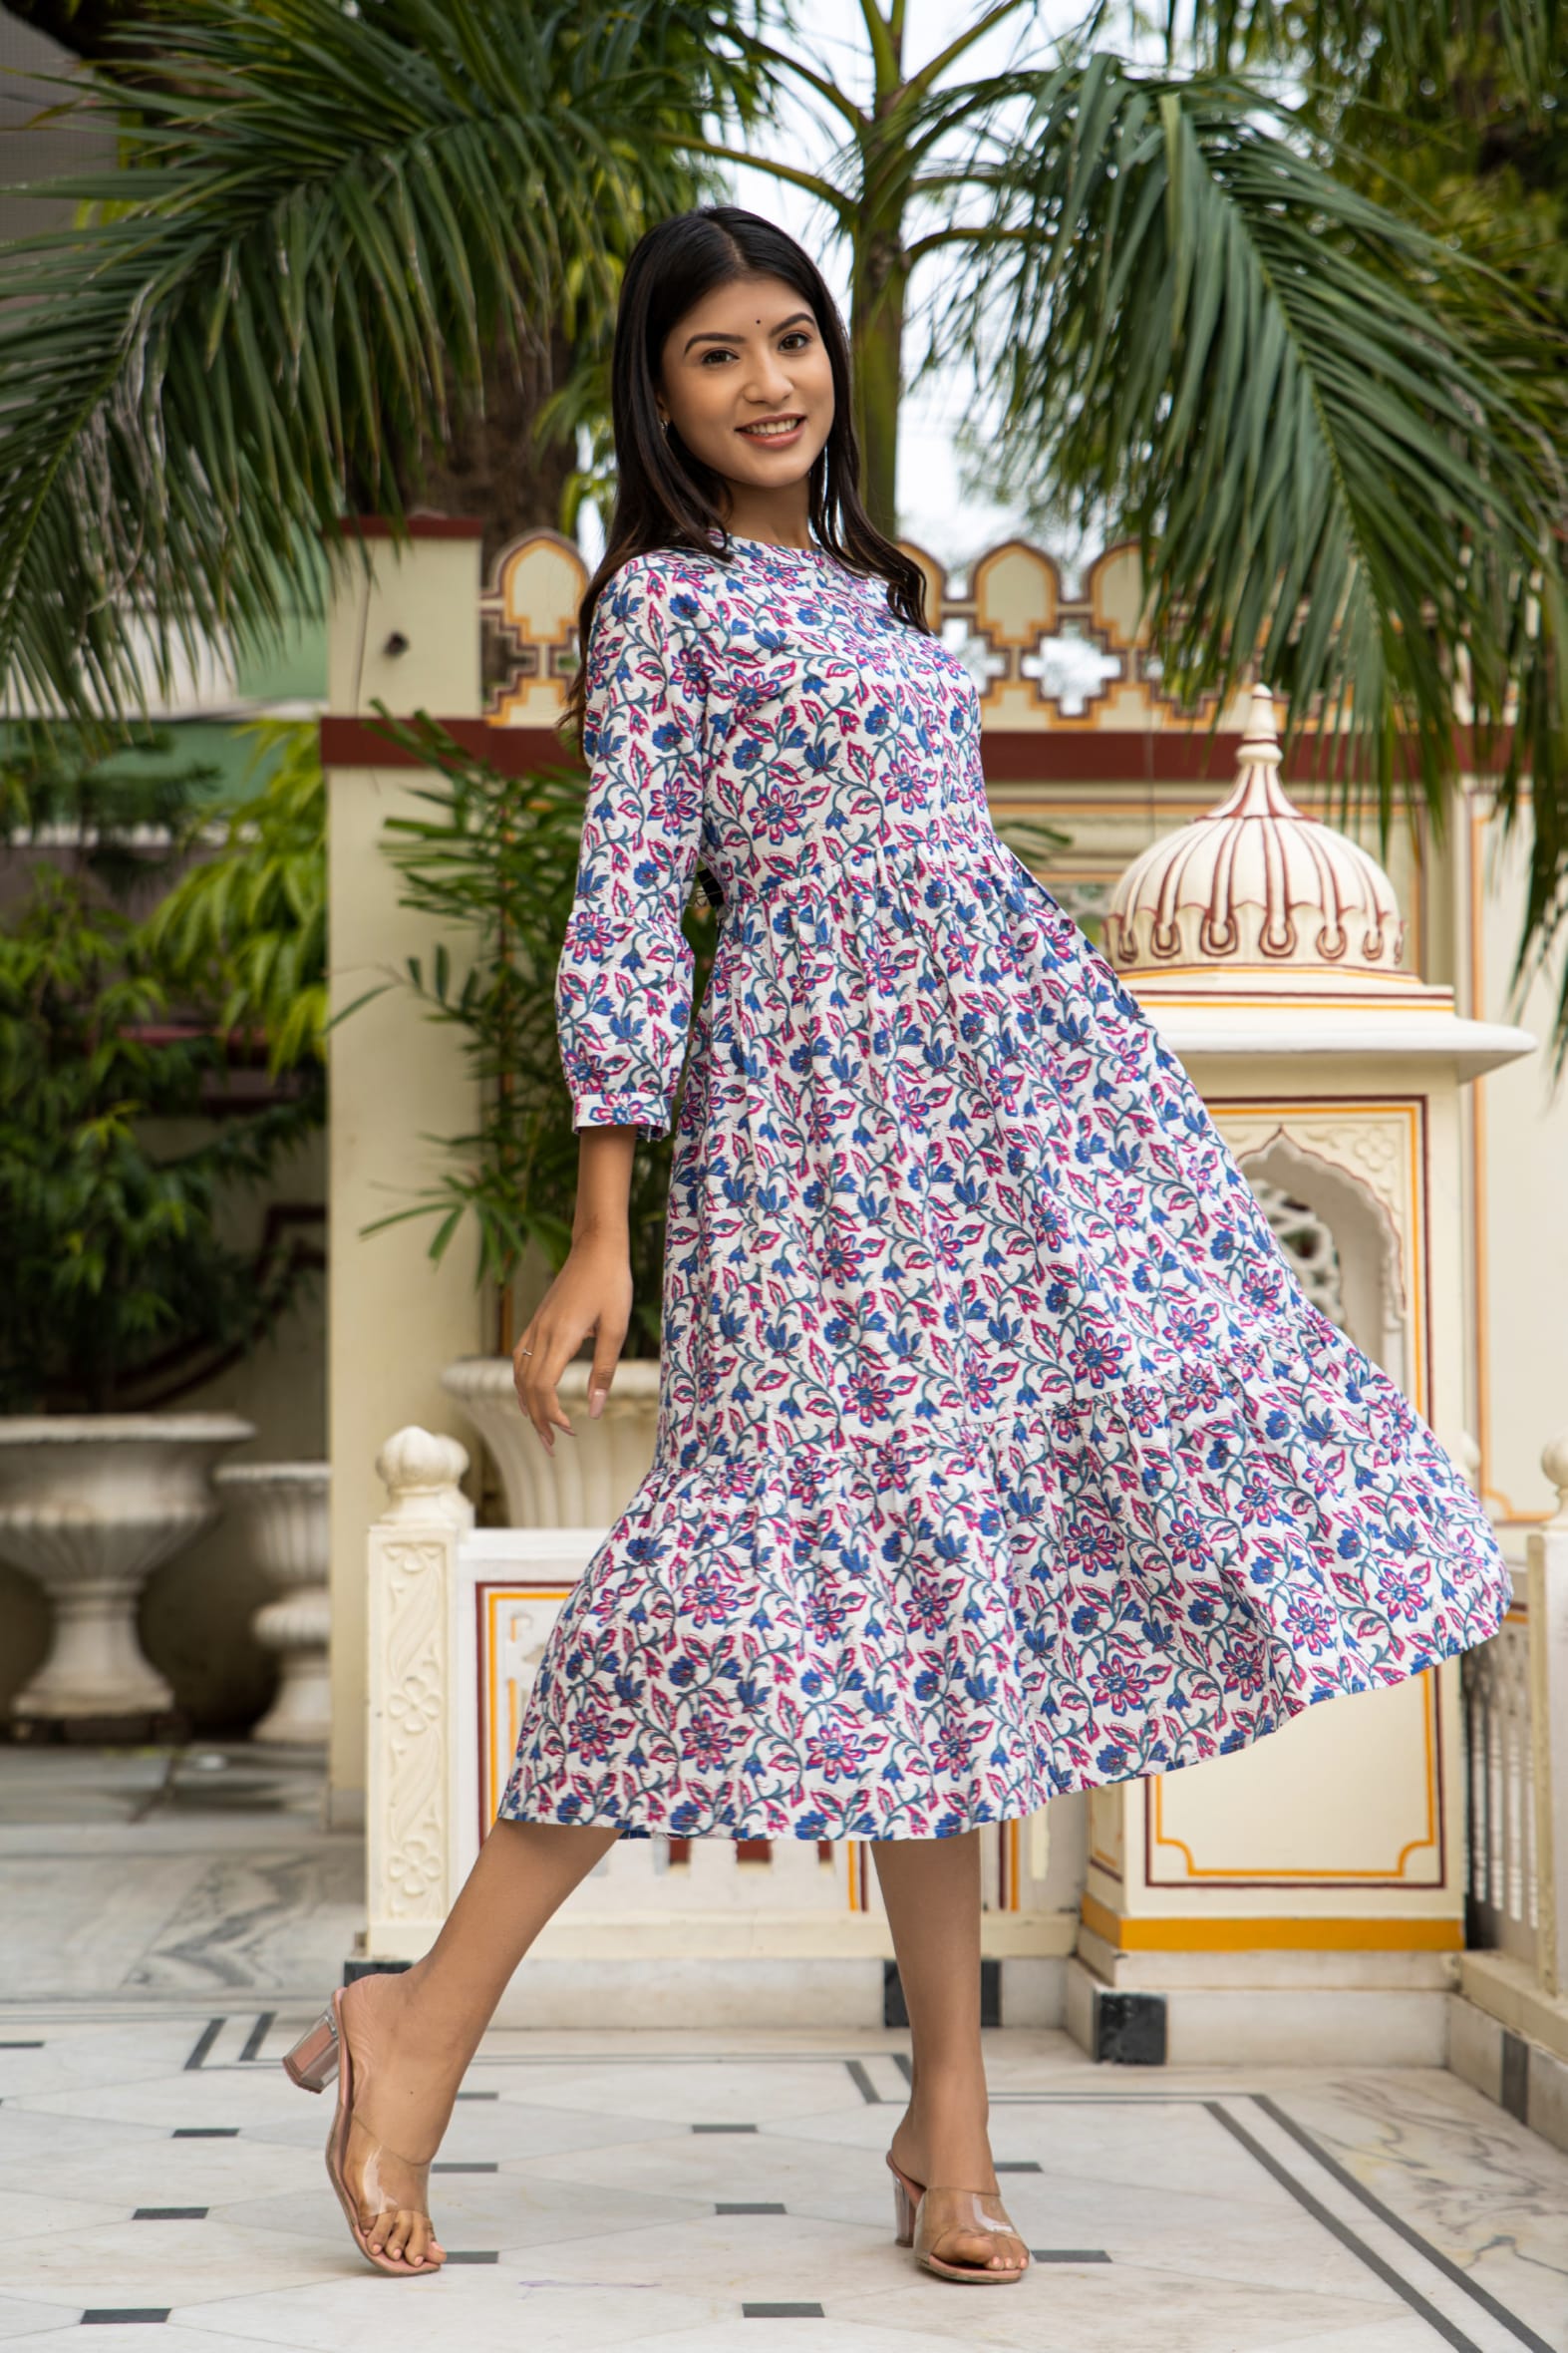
776,548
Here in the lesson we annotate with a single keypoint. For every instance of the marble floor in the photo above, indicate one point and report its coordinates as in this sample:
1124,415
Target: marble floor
676,2192
158,1873
670,2191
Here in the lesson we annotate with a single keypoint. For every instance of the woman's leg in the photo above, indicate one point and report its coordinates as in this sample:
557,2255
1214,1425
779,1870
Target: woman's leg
412,2035
931,1889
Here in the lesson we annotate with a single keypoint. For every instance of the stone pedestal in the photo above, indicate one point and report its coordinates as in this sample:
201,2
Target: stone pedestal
89,1504
285,1506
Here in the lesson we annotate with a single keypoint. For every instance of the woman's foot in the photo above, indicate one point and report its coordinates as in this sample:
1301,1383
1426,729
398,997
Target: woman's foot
404,2090
943,2143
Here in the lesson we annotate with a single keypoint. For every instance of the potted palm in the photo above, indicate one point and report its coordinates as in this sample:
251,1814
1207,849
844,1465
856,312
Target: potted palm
496,859
115,1176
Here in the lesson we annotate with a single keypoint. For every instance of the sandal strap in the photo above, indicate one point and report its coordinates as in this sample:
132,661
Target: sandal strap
945,2212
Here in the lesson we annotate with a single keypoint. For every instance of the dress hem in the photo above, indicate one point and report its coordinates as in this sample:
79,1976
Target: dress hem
955,1824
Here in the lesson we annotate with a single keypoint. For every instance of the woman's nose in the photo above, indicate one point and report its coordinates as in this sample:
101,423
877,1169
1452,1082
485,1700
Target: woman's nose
770,388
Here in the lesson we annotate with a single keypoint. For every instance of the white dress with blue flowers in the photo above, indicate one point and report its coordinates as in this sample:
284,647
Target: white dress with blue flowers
999,1451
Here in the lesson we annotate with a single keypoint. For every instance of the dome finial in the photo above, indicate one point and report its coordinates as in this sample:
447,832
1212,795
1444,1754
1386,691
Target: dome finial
1256,886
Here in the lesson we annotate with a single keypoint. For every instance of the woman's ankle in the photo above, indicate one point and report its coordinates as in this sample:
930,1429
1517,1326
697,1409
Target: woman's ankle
437,2029
957,2090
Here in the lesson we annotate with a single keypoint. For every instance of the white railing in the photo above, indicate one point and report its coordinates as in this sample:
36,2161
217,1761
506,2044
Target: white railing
1501,1808
1516,1743
1547,1604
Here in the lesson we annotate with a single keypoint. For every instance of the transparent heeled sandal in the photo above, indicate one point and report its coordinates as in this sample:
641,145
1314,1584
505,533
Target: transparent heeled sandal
923,2217
321,2054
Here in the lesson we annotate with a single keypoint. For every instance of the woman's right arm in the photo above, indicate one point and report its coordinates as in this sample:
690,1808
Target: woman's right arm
592,1292
623,986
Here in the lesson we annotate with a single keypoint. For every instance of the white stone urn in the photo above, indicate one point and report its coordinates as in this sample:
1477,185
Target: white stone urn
284,1506
89,1504
594,1473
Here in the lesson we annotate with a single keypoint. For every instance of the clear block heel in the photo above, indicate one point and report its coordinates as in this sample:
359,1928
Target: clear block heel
313,2062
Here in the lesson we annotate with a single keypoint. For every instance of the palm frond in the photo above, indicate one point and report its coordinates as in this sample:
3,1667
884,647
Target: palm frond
322,221
1330,432
1382,46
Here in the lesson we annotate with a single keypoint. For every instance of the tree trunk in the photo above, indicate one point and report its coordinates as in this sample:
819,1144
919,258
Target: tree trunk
880,290
880,280
488,468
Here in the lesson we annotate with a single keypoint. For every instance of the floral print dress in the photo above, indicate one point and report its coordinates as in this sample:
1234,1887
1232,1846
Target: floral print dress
999,1451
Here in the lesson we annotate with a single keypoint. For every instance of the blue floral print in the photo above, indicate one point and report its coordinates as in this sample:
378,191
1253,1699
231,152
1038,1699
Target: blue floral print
999,1451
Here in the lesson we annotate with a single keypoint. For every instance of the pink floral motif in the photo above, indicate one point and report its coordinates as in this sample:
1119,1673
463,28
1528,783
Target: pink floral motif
999,1453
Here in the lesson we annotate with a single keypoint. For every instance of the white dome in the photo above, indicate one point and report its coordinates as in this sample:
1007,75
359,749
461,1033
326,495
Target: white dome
1256,886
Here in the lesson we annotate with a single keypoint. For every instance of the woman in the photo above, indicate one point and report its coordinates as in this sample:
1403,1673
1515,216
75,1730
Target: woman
999,1453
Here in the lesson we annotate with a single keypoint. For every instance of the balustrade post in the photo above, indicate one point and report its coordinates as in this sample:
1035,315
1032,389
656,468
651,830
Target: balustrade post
413,1563
1547,1604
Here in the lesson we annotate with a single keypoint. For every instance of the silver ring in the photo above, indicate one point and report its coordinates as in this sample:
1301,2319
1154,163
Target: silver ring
525,1352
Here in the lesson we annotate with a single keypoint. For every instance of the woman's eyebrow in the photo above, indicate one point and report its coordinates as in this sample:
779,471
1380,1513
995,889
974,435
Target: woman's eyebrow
713,336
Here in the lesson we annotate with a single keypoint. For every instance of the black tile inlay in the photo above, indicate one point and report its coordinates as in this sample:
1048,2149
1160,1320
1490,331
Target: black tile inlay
1070,2254
204,2041
751,2206
453,2167
859,2076
1514,2090
479,2095
354,1971
170,2215
473,2255
1017,2165
257,2036
724,2127
119,2315
782,2312
991,1993
206,2133
1129,2028
21,2046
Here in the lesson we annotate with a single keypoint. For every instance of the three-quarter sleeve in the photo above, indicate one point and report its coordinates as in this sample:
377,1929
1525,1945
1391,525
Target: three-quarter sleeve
623,985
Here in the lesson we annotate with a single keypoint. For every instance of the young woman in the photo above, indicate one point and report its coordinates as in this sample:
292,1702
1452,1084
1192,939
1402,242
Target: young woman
999,1453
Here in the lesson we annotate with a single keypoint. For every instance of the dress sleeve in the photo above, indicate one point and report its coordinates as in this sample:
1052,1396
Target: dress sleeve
623,985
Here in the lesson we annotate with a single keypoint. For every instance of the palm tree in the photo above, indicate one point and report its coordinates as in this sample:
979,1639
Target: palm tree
1331,429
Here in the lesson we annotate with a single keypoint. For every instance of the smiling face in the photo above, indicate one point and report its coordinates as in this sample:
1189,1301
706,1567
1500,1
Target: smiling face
747,382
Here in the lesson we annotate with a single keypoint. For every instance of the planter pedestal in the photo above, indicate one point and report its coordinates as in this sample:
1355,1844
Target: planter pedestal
89,1504
285,1506
593,1474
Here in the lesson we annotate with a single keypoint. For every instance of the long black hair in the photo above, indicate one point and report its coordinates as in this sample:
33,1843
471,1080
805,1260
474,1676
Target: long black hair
667,498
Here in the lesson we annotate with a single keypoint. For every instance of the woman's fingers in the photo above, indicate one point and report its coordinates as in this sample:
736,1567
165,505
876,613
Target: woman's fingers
591,1296
606,1356
536,1367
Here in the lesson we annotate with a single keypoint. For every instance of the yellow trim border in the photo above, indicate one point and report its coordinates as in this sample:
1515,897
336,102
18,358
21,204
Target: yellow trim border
1277,1936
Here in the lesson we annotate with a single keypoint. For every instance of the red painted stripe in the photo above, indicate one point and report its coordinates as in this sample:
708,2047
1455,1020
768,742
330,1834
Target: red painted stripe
417,526
1011,754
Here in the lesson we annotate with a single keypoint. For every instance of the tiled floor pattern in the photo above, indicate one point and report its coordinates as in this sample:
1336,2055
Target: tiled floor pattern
159,2173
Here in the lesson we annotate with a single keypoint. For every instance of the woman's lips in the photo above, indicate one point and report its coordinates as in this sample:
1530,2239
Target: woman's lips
774,440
